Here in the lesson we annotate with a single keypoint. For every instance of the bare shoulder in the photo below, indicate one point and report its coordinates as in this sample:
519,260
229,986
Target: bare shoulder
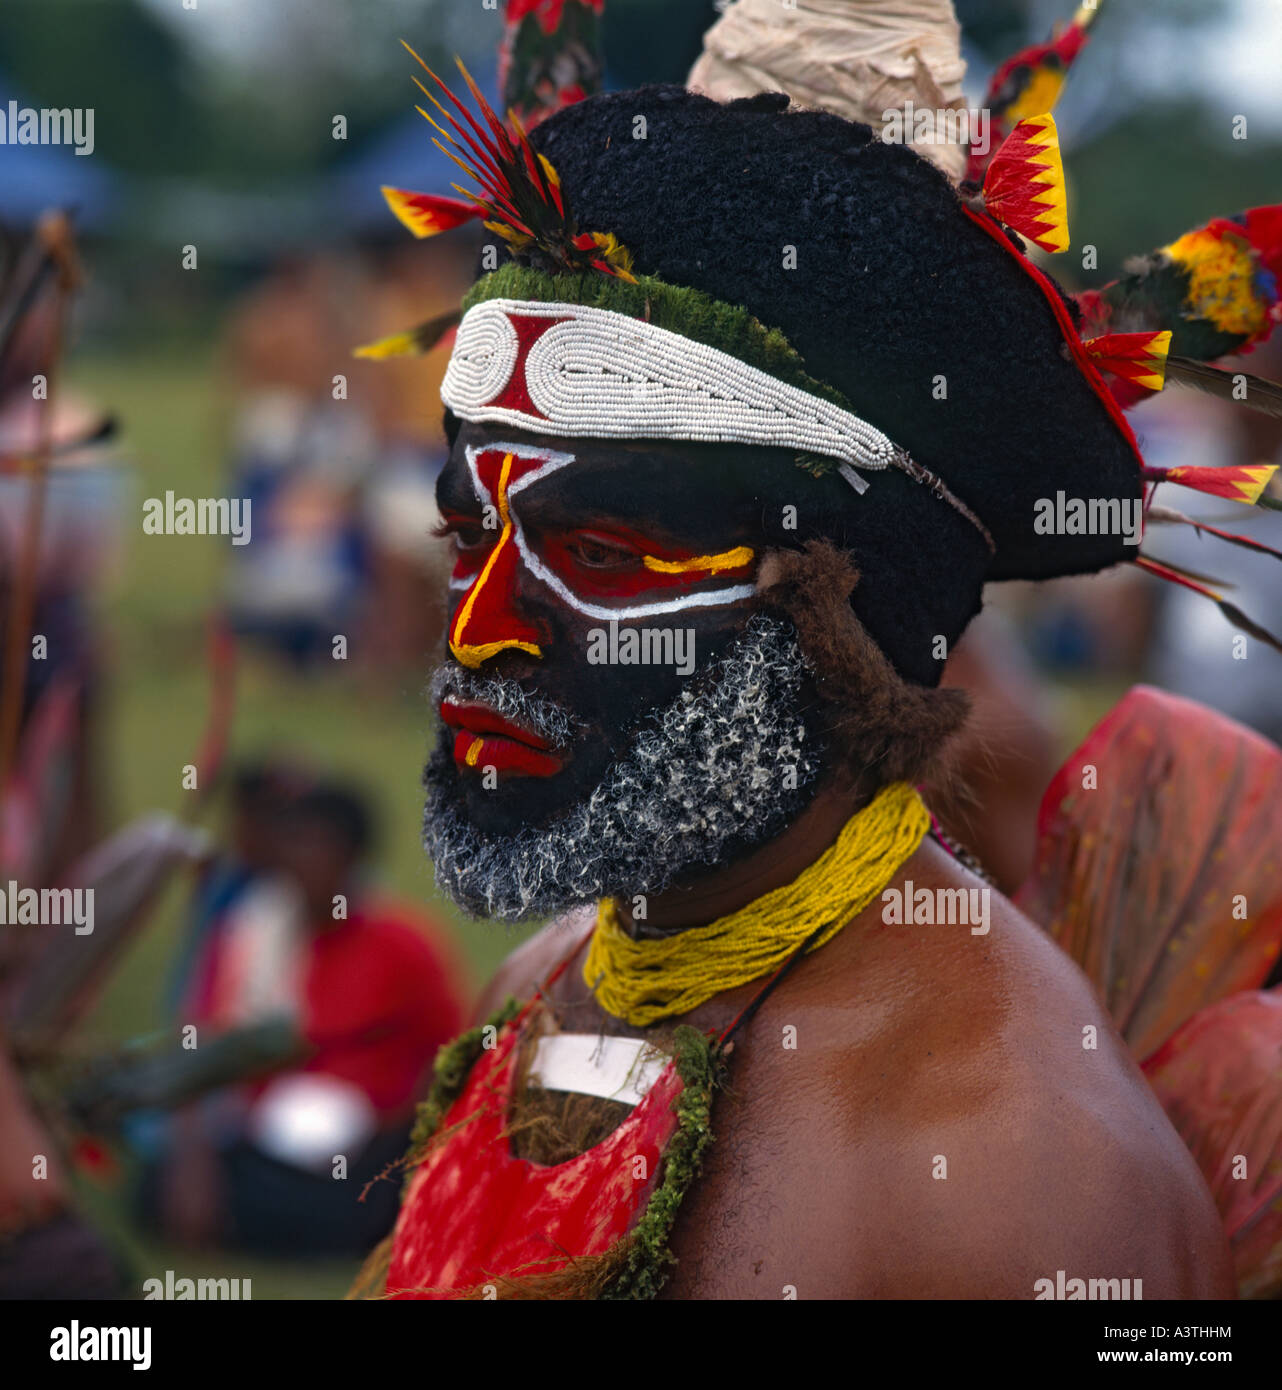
534,960
1036,1143
952,1115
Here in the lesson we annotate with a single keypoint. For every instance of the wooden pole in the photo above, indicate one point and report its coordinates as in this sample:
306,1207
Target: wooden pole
54,234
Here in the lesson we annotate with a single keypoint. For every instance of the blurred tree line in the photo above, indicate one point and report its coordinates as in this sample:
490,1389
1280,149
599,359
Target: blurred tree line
241,94
240,101
215,102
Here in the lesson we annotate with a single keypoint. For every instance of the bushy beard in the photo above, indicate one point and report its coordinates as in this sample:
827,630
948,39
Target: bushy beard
701,781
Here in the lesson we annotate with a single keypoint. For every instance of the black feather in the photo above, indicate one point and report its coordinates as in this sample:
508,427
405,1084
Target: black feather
1169,514
1261,395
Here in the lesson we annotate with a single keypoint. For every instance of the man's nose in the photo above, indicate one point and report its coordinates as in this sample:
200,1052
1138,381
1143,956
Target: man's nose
491,618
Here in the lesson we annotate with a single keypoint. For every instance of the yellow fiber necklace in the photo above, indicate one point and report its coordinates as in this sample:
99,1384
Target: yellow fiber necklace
643,981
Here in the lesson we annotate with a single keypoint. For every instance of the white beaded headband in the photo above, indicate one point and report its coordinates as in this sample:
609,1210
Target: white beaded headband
576,370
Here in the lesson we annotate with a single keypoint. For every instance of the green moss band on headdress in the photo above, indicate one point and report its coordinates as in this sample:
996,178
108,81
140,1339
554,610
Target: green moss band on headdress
727,327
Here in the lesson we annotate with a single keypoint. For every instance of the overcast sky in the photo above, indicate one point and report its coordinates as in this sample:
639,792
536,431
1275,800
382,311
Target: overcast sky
1234,57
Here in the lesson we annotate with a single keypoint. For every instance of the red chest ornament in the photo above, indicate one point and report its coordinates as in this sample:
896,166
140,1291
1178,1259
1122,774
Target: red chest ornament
474,1212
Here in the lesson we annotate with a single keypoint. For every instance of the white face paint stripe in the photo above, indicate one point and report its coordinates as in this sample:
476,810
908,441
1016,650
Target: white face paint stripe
708,598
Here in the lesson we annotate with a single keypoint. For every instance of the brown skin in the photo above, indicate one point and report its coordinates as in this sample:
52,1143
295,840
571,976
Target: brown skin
821,1176
911,1042
321,864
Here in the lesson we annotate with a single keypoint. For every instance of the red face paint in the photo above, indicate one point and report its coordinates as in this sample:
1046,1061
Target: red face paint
616,562
488,621
595,563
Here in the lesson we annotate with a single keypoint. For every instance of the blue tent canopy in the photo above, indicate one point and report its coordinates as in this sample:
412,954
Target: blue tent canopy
36,177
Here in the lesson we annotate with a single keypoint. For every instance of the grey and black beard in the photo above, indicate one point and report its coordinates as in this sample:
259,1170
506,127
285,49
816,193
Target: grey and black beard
706,779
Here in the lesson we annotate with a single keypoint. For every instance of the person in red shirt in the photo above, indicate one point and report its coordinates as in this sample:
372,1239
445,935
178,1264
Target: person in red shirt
380,990
373,990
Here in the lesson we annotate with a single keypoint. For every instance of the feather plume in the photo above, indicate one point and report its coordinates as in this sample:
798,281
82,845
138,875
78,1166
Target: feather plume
1246,482
1024,185
1175,574
550,56
1139,358
1170,516
414,342
1240,387
520,196
1029,83
1218,288
425,214
1187,573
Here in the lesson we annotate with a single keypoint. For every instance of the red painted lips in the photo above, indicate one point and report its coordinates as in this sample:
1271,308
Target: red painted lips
486,739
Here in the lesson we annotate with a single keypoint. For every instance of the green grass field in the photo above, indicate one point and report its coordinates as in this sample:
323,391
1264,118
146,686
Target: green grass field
156,696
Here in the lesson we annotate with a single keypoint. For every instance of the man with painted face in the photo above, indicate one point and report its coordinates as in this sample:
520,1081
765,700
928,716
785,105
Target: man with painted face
739,429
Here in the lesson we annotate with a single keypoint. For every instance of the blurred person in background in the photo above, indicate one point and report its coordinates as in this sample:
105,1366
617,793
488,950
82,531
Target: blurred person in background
53,806
339,467
47,1249
242,872
1190,640
409,563
301,451
1006,755
278,1165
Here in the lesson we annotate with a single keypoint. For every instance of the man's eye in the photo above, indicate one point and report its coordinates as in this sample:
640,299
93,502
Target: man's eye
596,552
471,538
467,536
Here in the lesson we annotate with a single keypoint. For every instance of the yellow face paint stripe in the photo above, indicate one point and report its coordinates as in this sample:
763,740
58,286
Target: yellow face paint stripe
504,474
473,753
726,560
469,655
472,657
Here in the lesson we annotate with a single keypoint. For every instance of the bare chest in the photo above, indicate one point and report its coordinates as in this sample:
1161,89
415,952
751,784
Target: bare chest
768,1215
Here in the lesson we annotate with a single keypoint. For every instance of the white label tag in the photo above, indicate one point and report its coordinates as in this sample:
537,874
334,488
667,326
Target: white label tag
592,1065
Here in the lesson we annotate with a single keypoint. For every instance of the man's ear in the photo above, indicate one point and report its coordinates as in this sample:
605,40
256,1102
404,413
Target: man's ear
881,727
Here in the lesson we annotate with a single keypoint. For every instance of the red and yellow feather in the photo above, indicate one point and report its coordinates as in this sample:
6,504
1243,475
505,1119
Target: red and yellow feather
426,214
1245,483
1139,358
1024,186
1030,82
